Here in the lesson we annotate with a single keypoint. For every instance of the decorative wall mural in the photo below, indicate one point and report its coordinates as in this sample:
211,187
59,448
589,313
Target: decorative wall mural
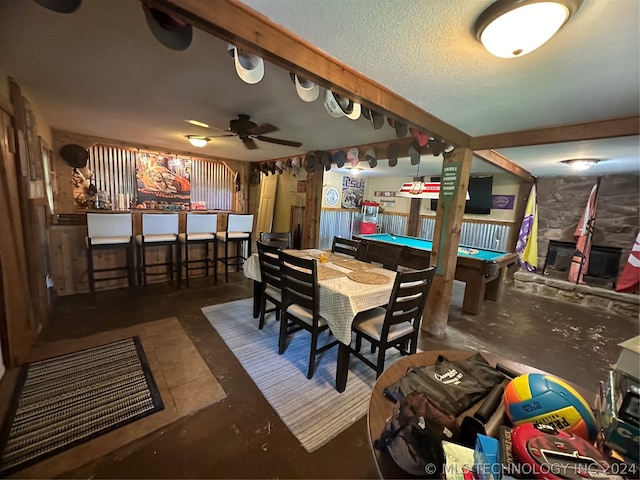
163,182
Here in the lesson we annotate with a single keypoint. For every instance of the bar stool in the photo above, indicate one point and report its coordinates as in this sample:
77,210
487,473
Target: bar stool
201,229
158,230
109,231
239,230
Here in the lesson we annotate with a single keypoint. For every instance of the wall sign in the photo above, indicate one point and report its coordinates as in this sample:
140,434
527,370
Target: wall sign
502,202
448,186
332,196
379,193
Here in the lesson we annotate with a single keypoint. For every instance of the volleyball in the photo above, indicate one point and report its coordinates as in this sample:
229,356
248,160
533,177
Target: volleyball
538,398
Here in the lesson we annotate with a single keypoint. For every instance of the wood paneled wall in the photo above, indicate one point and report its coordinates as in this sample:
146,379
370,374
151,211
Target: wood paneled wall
21,305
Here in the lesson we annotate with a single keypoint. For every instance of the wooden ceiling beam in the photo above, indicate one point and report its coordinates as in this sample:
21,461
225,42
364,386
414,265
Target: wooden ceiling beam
619,127
236,23
503,162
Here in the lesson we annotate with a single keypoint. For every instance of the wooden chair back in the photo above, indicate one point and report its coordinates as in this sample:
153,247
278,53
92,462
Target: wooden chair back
345,246
279,239
300,283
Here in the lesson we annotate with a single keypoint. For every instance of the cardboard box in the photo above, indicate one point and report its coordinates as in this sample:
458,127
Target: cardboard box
629,359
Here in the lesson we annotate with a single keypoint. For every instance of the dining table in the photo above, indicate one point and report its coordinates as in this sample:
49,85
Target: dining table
346,287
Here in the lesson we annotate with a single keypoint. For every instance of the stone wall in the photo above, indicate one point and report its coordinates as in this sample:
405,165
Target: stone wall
561,201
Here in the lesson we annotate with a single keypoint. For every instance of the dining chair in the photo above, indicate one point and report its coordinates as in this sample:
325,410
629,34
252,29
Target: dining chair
345,246
109,231
398,324
200,229
239,230
280,239
387,257
158,230
271,279
300,305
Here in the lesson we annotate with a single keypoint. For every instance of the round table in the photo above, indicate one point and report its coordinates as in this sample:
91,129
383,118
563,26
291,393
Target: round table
380,408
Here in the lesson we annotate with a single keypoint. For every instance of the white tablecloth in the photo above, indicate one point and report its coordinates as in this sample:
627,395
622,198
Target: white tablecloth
340,298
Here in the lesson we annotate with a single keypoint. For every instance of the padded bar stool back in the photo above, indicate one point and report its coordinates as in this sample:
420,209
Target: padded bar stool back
239,231
200,229
109,231
158,229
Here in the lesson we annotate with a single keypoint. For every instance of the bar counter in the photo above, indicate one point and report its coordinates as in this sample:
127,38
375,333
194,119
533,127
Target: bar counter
68,248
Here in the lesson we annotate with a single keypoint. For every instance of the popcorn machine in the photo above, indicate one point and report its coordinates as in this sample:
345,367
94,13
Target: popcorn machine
369,215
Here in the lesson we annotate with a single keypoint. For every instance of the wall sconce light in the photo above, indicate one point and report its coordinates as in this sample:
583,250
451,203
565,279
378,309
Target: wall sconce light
198,140
581,163
513,28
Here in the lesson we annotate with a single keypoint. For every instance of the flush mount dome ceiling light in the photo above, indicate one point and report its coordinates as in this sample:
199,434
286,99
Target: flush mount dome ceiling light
197,140
581,163
513,28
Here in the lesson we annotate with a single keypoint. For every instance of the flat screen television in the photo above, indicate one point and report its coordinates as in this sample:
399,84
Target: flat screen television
480,188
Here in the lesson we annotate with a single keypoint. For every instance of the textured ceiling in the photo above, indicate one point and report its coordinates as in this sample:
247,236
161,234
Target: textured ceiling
99,71
426,51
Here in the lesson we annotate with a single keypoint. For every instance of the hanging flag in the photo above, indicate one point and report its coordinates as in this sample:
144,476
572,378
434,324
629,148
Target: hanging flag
527,244
629,280
583,236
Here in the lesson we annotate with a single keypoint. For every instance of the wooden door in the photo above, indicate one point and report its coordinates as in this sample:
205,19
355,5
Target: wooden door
267,203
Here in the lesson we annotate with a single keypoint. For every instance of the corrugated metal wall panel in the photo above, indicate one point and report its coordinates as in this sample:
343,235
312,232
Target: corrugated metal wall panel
479,235
427,226
485,235
393,224
212,183
114,172
334,223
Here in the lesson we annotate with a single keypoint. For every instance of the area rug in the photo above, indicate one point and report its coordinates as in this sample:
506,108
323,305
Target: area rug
66,400
313,410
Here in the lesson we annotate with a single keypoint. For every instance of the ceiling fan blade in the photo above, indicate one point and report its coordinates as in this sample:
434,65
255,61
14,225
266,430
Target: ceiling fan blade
226,135
262,129
279,141
249,143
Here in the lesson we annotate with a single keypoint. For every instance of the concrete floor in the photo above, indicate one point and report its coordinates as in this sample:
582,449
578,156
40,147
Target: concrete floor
242,437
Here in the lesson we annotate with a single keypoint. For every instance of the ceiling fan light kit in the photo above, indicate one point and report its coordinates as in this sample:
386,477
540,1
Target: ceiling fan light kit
247,130
513,28
198,140
249,67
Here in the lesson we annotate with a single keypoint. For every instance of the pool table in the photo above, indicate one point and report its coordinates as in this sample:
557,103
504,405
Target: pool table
482,270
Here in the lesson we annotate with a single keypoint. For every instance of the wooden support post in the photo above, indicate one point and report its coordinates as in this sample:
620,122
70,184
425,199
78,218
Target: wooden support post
413,222
313,203
455,179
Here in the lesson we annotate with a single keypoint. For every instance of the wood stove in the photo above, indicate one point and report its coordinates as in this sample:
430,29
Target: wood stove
604,262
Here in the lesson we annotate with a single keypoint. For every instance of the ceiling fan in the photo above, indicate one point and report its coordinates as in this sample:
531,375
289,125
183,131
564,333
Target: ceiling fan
247,130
